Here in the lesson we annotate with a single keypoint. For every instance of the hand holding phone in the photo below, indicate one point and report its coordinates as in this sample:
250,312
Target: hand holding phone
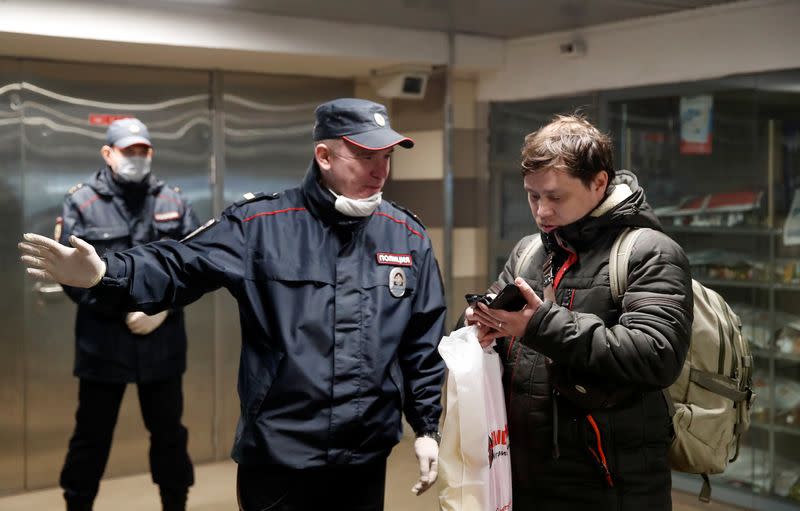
510,299
508,314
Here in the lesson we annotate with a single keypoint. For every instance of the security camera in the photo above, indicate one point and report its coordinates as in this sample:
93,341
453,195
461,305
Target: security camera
573,48
400,83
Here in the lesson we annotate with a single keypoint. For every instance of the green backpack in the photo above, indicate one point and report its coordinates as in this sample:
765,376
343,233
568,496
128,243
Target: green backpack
711,399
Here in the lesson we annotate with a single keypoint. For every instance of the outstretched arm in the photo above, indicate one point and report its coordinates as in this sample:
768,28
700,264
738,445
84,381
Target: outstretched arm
149,277
76,266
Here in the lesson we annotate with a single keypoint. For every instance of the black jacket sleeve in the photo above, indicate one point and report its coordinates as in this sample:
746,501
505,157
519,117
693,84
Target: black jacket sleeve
420,362
170,273
650,343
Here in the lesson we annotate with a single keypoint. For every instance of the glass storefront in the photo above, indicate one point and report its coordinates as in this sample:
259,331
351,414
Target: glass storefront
720,161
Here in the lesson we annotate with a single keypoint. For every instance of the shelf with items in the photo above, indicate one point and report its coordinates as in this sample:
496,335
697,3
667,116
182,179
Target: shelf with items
791,430
781,342
787,341
753,470
754,230
747,284
779,412
759,353
742,209
716,267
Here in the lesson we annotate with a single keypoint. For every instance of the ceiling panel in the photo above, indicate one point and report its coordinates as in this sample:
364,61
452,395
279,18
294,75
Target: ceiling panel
495,18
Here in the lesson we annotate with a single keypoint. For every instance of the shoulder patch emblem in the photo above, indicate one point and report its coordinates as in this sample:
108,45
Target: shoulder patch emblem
176,189
74,188
250,197
200,229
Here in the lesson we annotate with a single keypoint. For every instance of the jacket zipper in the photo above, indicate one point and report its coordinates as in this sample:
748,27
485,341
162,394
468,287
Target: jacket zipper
572,259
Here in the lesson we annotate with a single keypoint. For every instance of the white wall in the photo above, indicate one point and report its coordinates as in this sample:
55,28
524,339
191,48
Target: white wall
176,35
697,44
741,37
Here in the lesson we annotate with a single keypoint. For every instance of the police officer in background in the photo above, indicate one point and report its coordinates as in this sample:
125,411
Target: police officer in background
121,206
341,307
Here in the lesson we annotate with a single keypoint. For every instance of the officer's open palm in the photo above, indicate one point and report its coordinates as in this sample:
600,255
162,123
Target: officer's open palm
48,259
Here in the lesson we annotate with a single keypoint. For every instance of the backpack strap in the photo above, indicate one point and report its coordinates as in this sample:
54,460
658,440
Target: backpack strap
720,385
525,258
705,491
527,254
618,259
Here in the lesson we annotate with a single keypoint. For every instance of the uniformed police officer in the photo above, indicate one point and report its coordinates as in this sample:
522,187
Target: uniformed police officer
123,205
341,307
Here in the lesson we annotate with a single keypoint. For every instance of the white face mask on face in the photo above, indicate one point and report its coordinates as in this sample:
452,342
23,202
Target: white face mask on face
132,169
357,207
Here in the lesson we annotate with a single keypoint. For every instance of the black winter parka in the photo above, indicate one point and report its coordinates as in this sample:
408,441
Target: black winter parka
584,339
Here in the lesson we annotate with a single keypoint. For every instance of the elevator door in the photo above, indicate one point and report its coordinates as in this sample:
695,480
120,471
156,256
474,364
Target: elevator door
12,415
65,111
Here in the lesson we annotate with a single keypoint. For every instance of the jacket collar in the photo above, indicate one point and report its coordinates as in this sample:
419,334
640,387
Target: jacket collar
103,183
624,205
321,203
618,193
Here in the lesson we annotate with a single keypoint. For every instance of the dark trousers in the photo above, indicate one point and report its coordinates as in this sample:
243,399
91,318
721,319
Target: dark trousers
161,403
354,488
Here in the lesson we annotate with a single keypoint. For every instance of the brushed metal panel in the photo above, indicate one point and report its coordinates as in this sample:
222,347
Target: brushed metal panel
12,473
62,148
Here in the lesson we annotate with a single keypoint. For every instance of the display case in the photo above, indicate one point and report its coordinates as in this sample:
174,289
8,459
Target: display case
721,170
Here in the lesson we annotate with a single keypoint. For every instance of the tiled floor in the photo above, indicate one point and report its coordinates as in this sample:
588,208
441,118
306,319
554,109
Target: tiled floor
215,483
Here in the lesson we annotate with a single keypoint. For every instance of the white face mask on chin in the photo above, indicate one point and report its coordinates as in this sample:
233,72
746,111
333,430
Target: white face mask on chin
357,207
132,169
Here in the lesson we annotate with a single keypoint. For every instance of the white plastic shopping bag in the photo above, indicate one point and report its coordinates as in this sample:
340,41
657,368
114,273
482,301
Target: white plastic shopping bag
474,462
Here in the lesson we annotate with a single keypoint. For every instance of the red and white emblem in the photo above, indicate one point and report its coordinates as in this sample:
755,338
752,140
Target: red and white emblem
394,259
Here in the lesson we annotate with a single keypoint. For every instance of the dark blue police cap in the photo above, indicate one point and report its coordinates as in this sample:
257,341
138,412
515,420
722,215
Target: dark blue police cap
126,132
358,121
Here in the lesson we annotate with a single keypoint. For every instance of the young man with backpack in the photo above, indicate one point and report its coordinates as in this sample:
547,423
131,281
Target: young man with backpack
589,424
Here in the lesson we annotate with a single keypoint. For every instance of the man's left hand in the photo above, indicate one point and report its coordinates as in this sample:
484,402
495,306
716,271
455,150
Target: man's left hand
504,323
140,323
427,451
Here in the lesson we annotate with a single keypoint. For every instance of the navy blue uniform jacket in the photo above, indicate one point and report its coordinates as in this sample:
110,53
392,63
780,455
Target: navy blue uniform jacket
97,212
329,356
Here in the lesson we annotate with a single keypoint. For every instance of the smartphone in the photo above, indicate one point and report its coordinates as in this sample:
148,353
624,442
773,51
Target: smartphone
509,299
474,299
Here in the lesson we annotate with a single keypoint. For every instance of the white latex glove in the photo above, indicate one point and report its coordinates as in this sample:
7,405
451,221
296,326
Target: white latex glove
141,324
48,259
427,451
